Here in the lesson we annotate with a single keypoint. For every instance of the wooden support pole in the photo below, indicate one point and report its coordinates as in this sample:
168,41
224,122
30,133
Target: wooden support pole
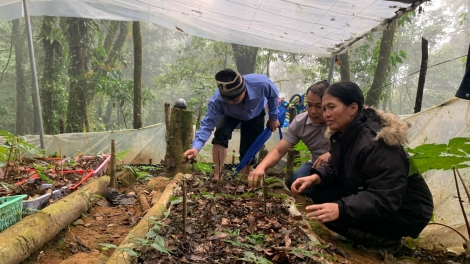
290,153
422,74
112,160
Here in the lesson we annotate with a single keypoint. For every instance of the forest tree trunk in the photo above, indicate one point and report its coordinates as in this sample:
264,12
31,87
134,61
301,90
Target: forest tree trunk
18,42
78,41
137,75
245,58
118,44
47,82
376,89
179,139
344,67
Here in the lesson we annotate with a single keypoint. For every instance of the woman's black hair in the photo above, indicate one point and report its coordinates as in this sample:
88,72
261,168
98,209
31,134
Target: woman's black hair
347,93
318,88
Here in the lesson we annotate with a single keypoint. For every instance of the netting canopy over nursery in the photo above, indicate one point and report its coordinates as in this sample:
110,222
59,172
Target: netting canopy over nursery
317,27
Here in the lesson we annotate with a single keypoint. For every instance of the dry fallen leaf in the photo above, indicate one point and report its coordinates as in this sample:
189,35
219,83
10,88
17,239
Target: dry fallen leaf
195,257
287,240
218,236
225,222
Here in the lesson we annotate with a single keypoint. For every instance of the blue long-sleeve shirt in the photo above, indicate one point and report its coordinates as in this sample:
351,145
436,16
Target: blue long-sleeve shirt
260,89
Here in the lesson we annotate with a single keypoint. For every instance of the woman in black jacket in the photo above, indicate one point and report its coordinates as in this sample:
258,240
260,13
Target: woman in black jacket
364,193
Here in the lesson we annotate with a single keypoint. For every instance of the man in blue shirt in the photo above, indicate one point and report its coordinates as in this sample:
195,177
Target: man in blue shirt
237,99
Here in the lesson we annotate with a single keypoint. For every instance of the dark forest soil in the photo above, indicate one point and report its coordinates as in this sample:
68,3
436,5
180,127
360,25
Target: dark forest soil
226,223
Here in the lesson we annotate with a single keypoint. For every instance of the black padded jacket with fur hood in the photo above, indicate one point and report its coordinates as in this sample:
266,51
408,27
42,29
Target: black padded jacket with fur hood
369,162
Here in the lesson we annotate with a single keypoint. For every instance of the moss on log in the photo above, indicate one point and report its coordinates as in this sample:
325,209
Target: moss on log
19,241
142,227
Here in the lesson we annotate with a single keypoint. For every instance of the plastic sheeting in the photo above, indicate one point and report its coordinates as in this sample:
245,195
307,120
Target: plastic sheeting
318,27
438,125
435,125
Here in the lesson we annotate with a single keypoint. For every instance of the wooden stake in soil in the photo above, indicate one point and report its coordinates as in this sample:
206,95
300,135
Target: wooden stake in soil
464,186
220,172
233,156
61,165
113,180
264,192
185,207
461,202
239,181
8,159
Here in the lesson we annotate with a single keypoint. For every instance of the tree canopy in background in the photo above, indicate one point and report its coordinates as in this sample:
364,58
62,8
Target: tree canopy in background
86,68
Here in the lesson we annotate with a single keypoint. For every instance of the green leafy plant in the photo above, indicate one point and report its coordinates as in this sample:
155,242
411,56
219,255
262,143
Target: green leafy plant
208,195
40,171
304,154
440,156
15,146
7,186
203,167
453,155
256,239
121,155
306,253
252,258
130,252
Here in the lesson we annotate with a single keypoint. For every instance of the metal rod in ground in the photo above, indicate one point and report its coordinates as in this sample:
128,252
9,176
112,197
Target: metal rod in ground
185,208
461,202
113,180
464,186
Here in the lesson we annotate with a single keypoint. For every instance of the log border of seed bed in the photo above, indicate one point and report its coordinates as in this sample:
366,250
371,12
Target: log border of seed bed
141,229
27,236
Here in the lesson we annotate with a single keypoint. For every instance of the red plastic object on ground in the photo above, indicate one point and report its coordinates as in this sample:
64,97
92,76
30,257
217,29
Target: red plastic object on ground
89,174
32,177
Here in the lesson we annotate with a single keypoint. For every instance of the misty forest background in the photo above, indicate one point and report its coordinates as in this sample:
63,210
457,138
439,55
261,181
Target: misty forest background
86,68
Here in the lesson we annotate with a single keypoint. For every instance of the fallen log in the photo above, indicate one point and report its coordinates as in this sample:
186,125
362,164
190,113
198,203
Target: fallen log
142,227
24,238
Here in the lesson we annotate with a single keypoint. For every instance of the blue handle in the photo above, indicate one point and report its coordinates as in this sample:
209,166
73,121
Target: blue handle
280,133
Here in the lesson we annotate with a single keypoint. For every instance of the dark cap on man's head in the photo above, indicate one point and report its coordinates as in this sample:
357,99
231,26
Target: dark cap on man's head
230,83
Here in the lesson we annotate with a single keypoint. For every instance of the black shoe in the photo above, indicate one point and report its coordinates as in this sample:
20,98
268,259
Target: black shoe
376,243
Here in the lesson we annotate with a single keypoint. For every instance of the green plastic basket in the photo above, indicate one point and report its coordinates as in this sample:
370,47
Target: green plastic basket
11,210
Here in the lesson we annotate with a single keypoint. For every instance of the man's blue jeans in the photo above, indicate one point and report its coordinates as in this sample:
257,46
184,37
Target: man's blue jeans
302,171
